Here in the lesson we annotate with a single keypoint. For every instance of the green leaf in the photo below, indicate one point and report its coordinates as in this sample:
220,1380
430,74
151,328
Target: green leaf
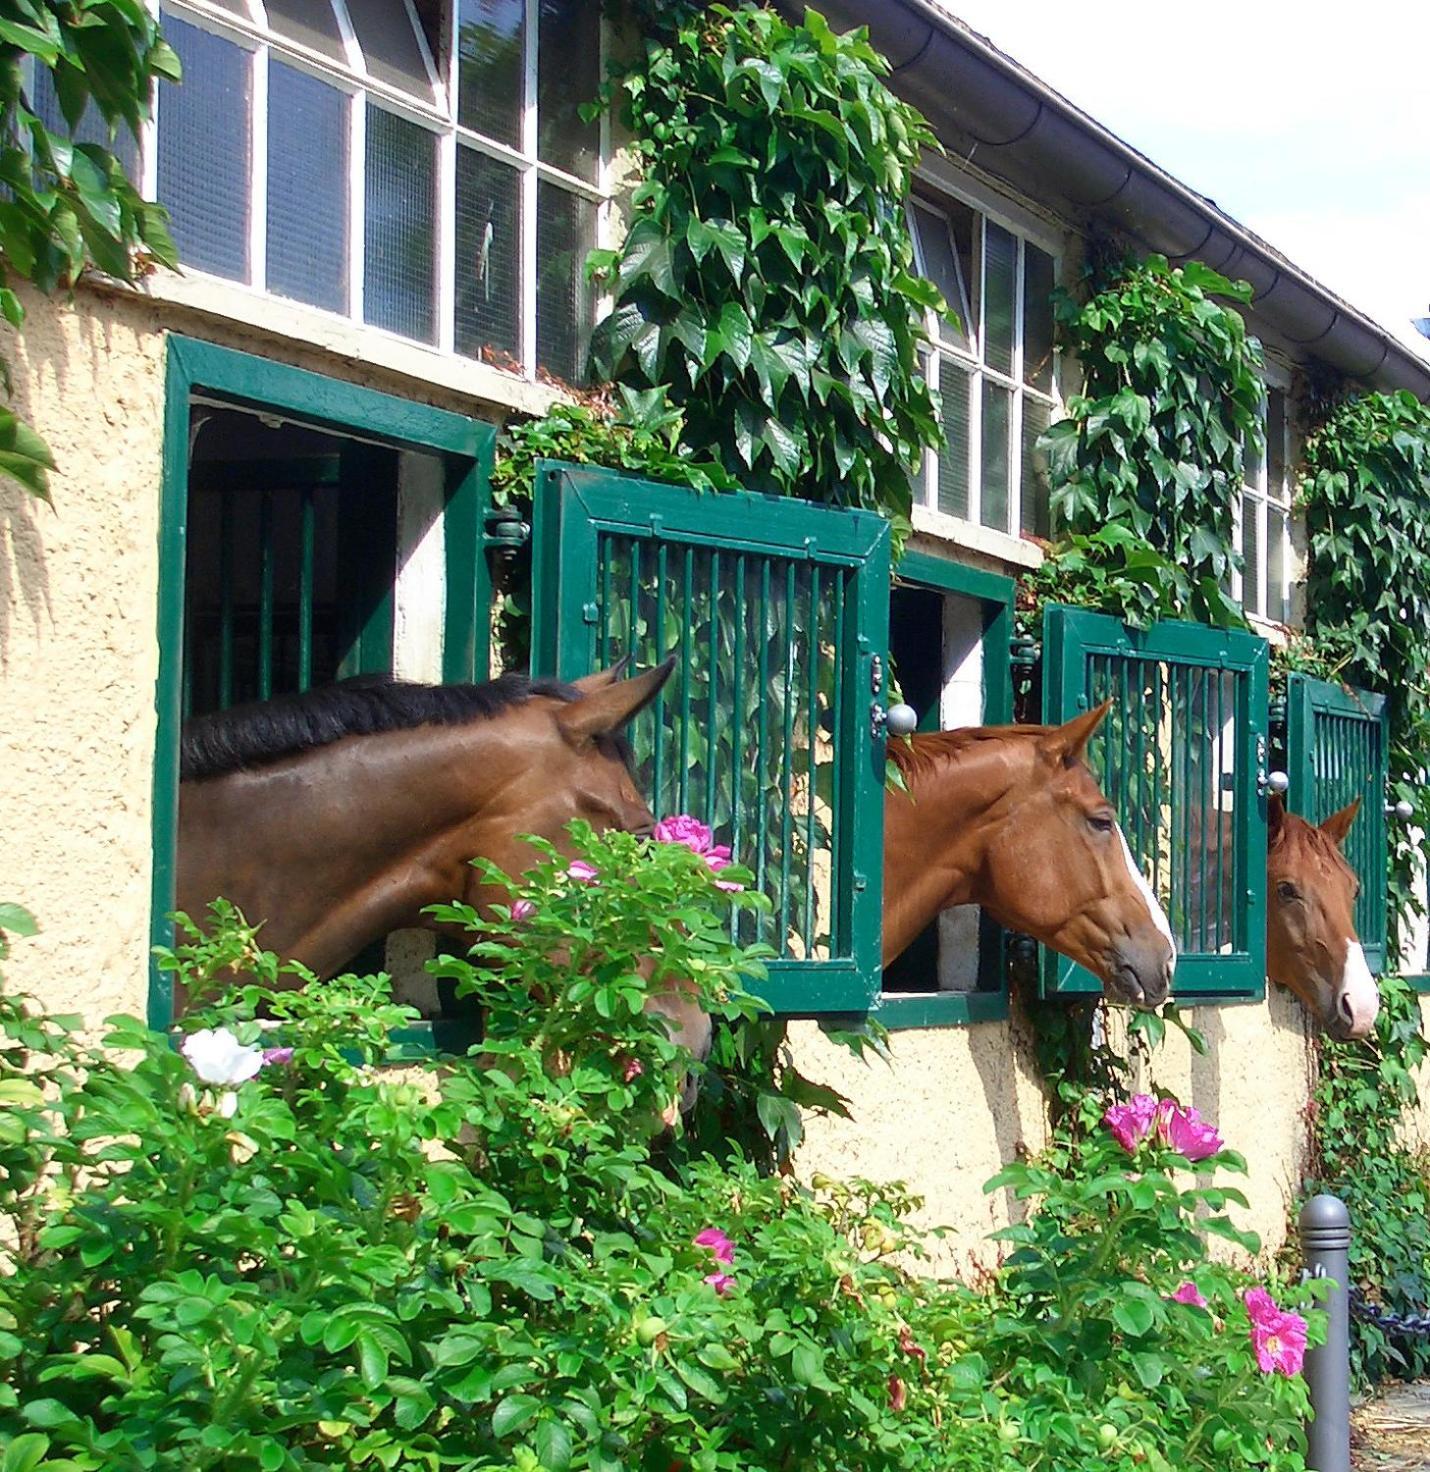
17,920
25,1452
553,1445
512,1414
1134,1316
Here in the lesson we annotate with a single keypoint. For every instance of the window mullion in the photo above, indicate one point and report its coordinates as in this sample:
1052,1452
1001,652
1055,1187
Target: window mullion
529,192
258,174
357,202
1015,415
446,240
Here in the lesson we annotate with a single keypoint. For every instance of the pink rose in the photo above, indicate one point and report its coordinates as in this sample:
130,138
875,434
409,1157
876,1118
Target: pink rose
721,1248
722,1283
1278,1336
1131,1123
1185,1131
523,910
687,830
1189,1294
581,872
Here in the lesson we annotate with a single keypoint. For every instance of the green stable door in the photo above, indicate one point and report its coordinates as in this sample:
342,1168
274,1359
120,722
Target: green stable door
769,730
1182,758
1337,741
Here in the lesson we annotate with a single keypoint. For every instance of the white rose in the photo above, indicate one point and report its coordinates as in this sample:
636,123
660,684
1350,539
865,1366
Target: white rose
219,1058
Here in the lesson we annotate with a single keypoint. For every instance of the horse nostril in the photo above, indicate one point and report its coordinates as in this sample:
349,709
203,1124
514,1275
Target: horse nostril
1346,1009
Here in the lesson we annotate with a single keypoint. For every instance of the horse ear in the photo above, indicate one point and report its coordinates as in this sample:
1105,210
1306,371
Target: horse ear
607,710
1275,819
1064,745
589,684
1339,824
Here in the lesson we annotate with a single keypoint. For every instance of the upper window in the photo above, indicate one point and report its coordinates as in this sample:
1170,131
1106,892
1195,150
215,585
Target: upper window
1265,516
331,152
993,365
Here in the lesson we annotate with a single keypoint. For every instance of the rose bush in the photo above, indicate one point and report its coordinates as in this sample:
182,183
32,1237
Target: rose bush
258,1251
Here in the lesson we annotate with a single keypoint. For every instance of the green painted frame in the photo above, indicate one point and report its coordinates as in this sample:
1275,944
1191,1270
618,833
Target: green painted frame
249,381
1069,636
918,568
574,505
1307,701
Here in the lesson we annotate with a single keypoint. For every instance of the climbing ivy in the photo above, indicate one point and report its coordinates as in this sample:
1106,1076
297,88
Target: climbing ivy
67,205
1146,468
1367,470
767,280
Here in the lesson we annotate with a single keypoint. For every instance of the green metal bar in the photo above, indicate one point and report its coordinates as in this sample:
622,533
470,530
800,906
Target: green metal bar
1196,884
762,732
787,757
839,909
687,625
737,724
1220,766
636,547
1158,779
225,584
265,594
657,706
605,611
812,724
307,546
712,710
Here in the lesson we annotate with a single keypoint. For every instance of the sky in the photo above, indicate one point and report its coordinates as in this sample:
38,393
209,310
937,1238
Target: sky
1307,122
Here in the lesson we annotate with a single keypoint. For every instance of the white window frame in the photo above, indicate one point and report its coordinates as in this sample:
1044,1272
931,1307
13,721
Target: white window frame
973,360
1273,605
438,114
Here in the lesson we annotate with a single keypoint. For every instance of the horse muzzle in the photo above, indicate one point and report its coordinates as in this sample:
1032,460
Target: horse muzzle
1140,974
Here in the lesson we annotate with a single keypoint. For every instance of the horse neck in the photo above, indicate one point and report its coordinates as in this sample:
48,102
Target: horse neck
346,842
936,835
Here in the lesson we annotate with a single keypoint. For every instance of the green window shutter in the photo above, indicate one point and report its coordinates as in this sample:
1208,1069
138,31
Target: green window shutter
1337,740
777,612
1181,756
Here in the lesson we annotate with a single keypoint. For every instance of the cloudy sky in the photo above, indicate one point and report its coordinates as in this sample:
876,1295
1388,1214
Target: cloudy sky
1308,123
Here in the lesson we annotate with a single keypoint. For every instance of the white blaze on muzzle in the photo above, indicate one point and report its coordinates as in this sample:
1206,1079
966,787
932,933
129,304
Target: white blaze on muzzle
1357,1000
1154,905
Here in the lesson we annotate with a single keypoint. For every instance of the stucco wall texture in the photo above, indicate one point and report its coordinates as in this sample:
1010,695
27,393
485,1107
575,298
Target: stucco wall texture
78,662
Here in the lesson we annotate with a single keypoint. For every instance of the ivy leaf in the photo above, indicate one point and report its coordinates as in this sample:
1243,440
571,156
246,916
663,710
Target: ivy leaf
735,334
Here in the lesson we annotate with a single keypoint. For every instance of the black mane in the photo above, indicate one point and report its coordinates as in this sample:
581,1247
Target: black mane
254,735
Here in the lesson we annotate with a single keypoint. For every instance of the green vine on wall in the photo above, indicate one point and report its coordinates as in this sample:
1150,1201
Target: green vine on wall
1146,468
1364,490
767,280
68,206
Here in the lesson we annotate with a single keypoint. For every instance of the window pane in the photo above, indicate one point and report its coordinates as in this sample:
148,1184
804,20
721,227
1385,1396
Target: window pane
307,188
1278,566
1036,515
1276,445
1000,278
488,284
310,23
568,74
203,151
45,103
490,62
390,46
565,234
941,266
1251,552
997,422
954,387
1254,467
399,272
1037,318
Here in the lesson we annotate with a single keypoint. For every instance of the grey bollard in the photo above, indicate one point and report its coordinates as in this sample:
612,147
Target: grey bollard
1325,1248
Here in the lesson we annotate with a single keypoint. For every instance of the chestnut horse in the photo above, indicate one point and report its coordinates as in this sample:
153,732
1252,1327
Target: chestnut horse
1311,942
336,816
1010,818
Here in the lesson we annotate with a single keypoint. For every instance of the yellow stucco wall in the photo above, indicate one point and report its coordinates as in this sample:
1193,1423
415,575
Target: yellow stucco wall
956,1104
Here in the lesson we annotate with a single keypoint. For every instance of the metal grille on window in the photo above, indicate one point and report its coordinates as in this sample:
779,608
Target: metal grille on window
954,386
569,74
204,131
997,432
1000,278
307,188
565,235
491,39
310,23
488,260
399,268
391,48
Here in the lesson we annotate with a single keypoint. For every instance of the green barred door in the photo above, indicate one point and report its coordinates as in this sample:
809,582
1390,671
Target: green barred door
778,614
1182,757
1337,739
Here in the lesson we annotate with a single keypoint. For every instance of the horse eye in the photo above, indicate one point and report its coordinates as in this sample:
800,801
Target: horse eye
1102,822
1287,893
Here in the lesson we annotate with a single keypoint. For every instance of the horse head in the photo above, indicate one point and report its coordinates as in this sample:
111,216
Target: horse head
1311,942
1058,868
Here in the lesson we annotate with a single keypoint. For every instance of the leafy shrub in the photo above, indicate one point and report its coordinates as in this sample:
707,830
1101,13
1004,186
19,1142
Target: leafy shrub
1091,1343
258,1251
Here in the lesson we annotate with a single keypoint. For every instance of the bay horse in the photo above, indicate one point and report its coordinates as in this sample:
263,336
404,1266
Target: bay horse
1311,943
1010,818
338,815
